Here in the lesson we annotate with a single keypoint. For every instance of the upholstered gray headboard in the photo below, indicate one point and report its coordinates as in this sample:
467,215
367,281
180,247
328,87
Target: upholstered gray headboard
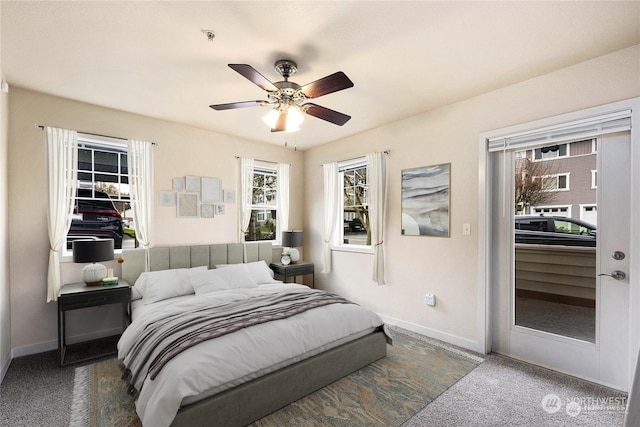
165,258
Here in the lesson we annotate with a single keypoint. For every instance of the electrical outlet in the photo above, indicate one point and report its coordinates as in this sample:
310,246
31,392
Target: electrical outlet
430,299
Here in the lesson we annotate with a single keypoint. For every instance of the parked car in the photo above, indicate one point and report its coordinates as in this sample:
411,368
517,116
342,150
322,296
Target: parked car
554,230
354,225
95,218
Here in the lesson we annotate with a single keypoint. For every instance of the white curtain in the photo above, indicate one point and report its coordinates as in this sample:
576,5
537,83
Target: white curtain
140,164
331,194
62,164
246,195
283,197
377,181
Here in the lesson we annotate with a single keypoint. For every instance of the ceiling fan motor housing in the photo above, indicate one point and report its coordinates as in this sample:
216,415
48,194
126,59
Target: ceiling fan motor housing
286,68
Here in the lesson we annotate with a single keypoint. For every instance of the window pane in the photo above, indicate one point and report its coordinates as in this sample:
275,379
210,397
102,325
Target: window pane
562,181
270,181
100,177
84,176
262,225
270,197
106,162
348,197
258,196
354,213
538,153
84,159
124,170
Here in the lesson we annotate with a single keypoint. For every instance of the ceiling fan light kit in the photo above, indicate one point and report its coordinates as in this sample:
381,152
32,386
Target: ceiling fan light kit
288,99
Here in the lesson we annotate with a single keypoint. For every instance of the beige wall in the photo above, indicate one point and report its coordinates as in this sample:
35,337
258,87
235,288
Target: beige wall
448,267
180,151
414,265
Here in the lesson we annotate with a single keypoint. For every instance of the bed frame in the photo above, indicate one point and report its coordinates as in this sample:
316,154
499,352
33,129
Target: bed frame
255,399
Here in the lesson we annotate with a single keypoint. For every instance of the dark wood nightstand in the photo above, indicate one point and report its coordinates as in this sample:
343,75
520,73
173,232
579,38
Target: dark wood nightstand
78,295
300,268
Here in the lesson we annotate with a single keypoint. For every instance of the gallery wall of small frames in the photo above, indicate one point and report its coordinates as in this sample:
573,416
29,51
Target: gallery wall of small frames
196,197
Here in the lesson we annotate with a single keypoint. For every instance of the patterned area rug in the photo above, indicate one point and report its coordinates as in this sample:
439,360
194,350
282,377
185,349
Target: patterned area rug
385,393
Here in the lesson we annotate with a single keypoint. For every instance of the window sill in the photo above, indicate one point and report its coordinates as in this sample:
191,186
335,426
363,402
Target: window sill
353,248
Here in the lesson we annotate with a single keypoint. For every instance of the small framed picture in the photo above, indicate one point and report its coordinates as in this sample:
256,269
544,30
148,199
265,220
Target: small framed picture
219,209
192,183
178,184
187,205
206,210
211,190
229,196
167,198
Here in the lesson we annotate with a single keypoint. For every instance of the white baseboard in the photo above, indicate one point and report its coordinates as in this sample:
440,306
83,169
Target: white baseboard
432,333
53,345
5,368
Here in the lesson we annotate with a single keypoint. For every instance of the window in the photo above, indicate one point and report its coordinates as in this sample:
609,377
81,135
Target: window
551,152
354,207
559,182
553,210
102,208
570,227
263,224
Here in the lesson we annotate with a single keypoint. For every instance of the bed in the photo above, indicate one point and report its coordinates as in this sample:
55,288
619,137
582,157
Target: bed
244,375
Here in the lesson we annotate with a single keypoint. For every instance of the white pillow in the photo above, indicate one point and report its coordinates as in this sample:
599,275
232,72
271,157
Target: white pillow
237,277
259,271
207,281
159,285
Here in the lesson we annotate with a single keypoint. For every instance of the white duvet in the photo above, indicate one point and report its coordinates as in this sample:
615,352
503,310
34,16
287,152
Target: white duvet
222,363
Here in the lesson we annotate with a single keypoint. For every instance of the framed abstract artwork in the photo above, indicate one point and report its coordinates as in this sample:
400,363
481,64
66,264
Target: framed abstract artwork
426,200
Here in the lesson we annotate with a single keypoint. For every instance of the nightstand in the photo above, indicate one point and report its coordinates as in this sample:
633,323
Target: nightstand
78,295
300,268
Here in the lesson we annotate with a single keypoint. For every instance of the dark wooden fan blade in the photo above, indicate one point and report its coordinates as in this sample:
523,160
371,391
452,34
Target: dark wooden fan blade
256,78
326,114
234,105
333,83
281,124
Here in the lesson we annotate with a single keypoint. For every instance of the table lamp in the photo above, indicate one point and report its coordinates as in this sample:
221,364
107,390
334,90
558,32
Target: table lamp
290,240
93,251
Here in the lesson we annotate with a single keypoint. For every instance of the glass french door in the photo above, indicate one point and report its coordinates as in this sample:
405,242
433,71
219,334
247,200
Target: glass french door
560,282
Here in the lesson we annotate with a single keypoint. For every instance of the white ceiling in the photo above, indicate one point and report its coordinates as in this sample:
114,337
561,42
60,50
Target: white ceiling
404,58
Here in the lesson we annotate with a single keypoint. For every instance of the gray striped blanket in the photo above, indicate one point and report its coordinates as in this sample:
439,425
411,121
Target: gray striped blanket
162,340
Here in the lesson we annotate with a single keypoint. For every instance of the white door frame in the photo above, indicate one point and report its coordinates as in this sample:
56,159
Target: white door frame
484,205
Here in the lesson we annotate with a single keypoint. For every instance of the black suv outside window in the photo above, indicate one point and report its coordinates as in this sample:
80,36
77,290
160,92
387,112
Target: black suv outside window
102,208
94,218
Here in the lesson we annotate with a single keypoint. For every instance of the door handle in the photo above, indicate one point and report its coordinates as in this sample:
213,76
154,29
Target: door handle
616,275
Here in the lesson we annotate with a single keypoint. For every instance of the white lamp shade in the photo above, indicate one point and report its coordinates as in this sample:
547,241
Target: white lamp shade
294,118
271,118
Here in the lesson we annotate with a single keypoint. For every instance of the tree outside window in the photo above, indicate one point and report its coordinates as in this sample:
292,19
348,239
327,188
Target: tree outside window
356,230
529,187
263,222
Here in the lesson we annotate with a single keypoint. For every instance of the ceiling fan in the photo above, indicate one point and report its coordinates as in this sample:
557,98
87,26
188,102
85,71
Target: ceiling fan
288,99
